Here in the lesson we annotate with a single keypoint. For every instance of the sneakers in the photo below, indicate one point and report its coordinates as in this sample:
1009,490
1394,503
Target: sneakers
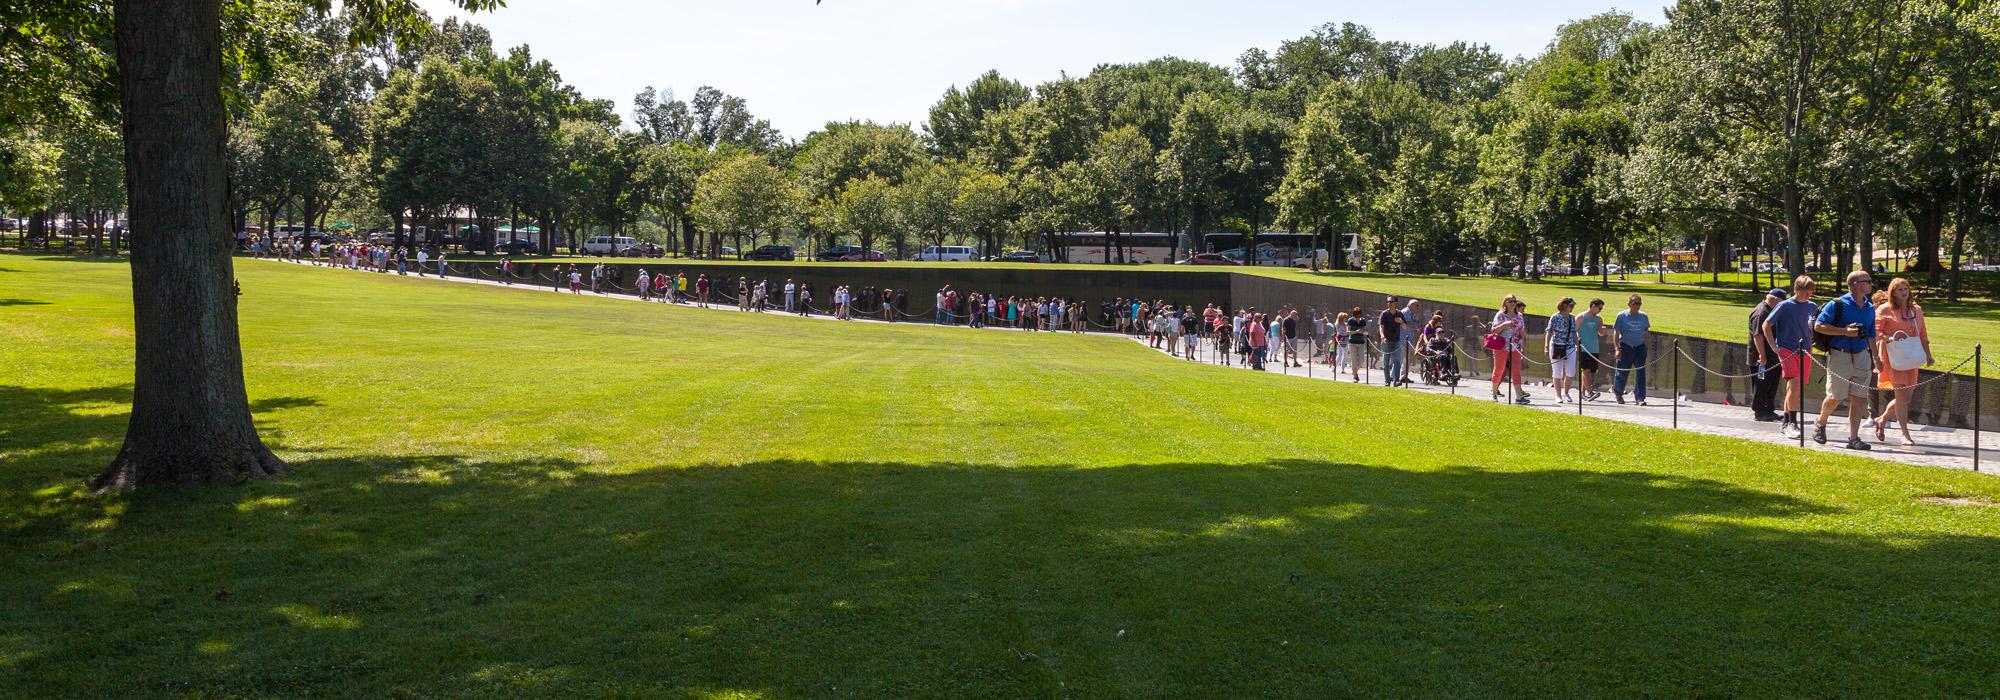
1621,399
1790,431
1521,400
1855,443
1768,417
1819,434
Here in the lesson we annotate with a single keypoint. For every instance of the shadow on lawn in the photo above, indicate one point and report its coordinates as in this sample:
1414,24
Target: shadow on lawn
440,575
22,302
77,431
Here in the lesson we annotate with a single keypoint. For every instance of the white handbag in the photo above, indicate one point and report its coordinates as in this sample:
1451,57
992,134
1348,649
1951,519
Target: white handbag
1906,352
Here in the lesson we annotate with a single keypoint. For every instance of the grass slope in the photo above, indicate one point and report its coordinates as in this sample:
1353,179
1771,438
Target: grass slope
503,492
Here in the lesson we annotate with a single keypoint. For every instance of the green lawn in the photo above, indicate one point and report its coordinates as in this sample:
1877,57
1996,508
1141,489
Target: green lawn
511,492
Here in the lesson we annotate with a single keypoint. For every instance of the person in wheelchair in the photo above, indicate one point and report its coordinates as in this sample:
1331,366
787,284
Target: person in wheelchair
1440,362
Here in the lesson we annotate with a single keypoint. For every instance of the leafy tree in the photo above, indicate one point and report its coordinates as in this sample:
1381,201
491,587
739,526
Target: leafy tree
957,117
1325,180
866,209
745,197
1195,161
926,203
985,207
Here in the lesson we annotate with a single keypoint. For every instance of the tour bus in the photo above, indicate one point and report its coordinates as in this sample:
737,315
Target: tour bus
1096,247
1279,249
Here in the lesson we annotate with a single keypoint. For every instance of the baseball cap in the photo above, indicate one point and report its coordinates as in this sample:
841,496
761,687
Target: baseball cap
1779,292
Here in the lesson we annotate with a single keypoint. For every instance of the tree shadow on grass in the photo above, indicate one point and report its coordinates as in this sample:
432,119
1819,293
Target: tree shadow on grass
22,302
442,575
36,418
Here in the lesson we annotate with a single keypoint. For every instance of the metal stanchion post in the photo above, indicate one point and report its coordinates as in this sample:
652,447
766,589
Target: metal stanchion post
1673,356
1805,380
1978,358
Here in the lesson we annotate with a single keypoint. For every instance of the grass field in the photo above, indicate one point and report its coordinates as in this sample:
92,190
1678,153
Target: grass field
511,492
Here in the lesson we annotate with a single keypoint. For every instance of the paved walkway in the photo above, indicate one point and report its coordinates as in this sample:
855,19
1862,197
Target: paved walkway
1937,446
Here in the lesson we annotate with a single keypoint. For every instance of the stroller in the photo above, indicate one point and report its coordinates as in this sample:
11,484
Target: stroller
1440,362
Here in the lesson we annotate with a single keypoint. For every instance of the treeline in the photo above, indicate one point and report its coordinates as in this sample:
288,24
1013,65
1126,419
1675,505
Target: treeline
1810,128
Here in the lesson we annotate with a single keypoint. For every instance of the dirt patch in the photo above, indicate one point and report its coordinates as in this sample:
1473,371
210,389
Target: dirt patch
1945,499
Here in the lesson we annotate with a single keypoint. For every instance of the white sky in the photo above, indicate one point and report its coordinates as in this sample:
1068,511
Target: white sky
801,65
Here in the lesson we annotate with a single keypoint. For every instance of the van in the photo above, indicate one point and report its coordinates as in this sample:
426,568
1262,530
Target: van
951,253
608,245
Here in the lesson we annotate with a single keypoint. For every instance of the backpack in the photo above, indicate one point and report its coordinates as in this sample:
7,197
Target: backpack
1821,341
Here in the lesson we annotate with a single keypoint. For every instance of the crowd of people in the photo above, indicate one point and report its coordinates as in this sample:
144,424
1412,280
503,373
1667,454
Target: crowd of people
1872,339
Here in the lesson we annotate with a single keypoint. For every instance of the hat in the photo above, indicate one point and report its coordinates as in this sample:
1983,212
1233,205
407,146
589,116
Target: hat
1779,292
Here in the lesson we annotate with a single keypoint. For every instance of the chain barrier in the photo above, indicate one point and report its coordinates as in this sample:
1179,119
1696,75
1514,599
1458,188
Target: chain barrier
1705,368
1947,374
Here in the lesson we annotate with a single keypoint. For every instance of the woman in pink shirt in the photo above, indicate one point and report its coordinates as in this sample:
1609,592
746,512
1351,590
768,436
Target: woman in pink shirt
1512,328
1897,313
1258,342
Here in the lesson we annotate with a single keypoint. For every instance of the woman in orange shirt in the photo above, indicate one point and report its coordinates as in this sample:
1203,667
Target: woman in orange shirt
1896,313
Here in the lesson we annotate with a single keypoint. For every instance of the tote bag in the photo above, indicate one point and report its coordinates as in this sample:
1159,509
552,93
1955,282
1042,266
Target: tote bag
1906,352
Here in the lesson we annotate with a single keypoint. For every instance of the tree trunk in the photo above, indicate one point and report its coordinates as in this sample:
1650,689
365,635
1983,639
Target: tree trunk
1928,222
1864,235
190,418
1795,229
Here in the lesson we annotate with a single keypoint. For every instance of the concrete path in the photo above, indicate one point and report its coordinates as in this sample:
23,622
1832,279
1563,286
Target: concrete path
1950,448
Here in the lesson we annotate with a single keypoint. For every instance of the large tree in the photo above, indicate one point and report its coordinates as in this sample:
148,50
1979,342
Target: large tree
191,419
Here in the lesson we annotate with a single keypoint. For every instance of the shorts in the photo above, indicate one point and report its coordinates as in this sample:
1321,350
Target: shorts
1847,374
1587,361
1563,366
1795,364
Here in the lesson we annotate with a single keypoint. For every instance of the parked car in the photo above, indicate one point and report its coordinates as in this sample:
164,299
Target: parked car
858,255
946,253
517,247
608,245
771,252
832,253
1021,256
644,250
1208,259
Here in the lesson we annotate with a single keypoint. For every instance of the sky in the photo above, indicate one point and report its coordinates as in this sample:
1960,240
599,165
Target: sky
802,65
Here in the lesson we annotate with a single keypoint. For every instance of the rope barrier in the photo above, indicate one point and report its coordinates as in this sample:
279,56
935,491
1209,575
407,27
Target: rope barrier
1698,365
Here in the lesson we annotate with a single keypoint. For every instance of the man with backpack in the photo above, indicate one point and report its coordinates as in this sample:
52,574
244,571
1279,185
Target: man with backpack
1845,329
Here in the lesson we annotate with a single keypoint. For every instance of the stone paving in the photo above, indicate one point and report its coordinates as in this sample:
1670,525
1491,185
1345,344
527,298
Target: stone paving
1937,446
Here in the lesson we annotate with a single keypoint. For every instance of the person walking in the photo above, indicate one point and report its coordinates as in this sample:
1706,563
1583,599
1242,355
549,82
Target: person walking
1356,341
1788,331
1413,323
1764,359
1899,317
701,288
1559,344
791,296
1629,332
1389,329
1512,327
1259,341
575,280
1589,343
1291,339
645,285
1848,322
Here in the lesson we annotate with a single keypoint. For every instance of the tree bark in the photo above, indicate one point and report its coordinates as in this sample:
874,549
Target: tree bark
190,418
